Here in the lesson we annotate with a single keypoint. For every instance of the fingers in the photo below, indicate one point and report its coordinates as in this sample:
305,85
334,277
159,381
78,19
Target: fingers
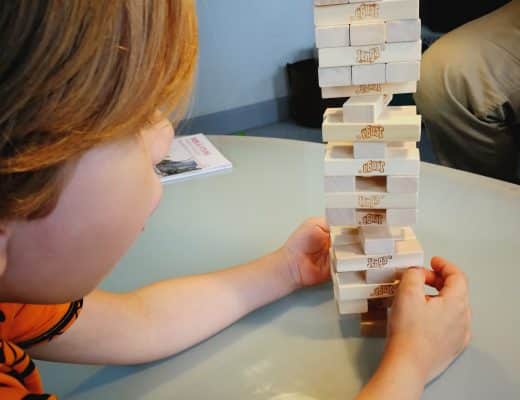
319,222
413,279
453,280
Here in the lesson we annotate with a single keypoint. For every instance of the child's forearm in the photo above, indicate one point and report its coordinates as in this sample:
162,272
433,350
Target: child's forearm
182,312
167,317
397,377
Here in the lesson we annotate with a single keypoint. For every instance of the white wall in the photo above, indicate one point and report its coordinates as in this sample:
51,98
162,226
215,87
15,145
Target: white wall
244,46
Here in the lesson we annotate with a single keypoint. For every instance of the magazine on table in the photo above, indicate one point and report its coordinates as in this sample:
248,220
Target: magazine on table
191,156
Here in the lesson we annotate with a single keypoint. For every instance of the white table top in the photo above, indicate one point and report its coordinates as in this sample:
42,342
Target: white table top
299,348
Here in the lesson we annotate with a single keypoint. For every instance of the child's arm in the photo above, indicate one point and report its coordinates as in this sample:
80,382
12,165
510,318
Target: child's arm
167,317
425,333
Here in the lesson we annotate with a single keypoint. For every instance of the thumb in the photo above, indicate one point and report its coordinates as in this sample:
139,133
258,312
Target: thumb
413,280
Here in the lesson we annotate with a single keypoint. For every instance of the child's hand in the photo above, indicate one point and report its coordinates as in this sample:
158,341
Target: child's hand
430,332
307,253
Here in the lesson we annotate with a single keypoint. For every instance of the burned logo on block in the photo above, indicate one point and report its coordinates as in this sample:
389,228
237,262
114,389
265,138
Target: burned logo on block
368,56
378,262
373,166
372,132
367,10
369,201
384,291
369,88
372,219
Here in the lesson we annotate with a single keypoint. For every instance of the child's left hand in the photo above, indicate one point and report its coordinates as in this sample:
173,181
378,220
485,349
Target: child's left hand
307,252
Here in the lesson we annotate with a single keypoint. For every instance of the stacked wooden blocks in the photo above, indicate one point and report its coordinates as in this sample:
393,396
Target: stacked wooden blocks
368,51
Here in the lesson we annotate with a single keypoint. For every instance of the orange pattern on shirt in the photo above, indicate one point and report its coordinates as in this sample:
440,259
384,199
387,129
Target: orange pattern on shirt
21,327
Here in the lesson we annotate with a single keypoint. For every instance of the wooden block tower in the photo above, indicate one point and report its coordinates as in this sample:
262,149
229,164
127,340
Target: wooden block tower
369,51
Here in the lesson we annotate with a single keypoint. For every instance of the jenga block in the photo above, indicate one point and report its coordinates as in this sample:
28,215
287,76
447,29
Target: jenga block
367,32
403,30
350,234
377,240
401,216
351,257
376,311
330,2
402,184
403,71
359,55
373,329
340,184
352,307
334,76
384,275
374,322
367,184
365,90
332,36
352,286
369,150
340,216
364,108
368,217
339,161
384,10
394,124
371,200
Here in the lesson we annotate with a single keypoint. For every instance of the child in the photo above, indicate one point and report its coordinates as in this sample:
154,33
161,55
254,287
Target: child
81,83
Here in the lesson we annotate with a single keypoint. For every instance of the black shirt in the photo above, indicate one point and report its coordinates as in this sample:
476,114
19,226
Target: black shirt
443,15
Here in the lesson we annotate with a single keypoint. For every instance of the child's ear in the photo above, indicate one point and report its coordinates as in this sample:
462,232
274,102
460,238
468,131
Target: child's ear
4,239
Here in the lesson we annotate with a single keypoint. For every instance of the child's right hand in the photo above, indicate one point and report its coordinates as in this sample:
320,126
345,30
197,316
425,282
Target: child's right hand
430,331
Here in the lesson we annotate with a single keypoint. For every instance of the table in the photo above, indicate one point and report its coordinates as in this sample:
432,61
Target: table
299,348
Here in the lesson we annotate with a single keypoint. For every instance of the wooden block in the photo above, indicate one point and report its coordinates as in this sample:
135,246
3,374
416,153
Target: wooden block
352,286
351,257
330,2
339,161
357,217
370,184
334,76
377,240
340,184
394,124
340,216
332,36
384,304
367,32
350,307
359,55
401,216
350,234
376,312
385,275
368,217
373,329
371,200
367,74
384,10
403,71
402,184
364,108
403,30
365,90
369,150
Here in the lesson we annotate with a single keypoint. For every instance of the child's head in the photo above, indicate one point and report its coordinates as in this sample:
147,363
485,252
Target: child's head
82,85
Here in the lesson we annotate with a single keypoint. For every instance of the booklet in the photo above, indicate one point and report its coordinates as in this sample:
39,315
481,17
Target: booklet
191,156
